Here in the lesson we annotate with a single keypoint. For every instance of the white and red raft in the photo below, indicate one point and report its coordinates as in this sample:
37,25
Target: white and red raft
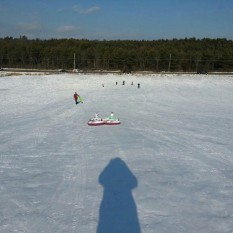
112,122
96,122
100,121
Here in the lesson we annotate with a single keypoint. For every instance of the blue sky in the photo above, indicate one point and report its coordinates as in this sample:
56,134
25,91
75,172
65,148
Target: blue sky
122,19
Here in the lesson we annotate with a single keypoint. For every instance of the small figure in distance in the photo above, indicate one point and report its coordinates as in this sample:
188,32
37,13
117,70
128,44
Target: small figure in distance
138,85
76,97
96,116
111,117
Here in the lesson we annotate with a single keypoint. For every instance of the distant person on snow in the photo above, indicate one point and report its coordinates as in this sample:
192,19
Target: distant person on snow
96,116
111,117
76,97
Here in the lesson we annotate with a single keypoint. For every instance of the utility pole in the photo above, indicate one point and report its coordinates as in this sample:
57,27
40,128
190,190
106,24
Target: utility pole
169,65
74,62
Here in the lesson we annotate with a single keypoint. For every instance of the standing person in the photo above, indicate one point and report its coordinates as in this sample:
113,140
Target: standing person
138,85
76,97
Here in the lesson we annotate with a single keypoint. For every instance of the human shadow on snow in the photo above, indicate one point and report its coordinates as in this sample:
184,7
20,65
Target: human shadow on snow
118,211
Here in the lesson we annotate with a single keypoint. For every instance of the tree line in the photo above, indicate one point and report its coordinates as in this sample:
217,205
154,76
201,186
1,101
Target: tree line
186,55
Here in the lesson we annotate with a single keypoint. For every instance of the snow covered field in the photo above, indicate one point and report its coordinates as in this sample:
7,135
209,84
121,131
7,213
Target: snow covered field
168,168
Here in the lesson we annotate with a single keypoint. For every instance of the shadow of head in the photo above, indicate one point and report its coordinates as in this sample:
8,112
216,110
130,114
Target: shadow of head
117,176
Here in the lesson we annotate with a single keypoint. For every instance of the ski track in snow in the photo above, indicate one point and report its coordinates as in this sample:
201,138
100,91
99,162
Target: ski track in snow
175,137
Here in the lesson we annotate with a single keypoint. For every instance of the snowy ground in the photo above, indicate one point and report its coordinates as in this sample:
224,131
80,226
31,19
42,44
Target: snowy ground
168,168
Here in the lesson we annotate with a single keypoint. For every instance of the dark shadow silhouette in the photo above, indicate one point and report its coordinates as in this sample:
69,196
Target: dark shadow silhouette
118,211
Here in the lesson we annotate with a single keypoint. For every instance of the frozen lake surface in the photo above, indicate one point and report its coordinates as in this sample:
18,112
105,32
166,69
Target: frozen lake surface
168,168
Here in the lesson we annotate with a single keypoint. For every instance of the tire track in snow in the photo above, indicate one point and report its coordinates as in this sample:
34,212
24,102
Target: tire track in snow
67,200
